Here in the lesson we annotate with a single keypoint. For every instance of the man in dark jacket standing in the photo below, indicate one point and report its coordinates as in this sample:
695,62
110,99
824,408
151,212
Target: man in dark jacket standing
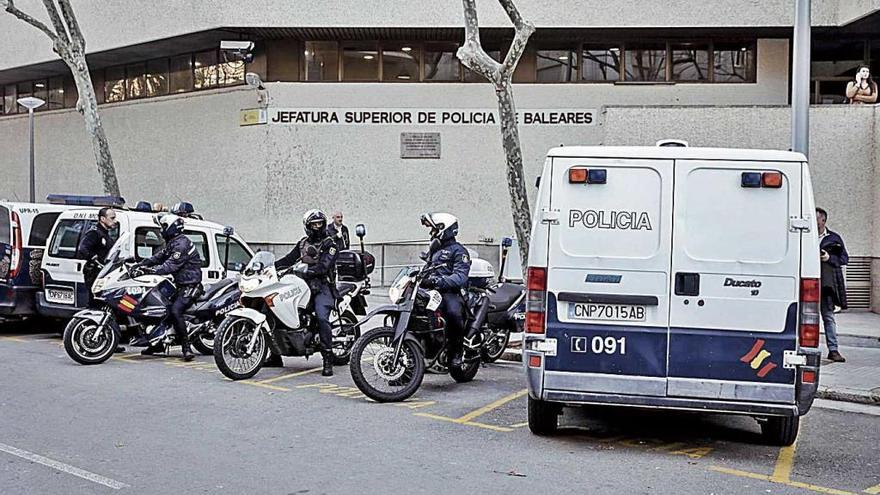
832,253
339,232
94,246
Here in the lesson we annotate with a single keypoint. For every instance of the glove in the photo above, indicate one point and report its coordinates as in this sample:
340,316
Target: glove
430,282
139,271
301,269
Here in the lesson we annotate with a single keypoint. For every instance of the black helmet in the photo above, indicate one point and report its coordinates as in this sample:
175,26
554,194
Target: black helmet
315,223
444,226
171,225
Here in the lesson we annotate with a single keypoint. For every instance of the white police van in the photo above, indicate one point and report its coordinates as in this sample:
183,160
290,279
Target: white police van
674,277
64,291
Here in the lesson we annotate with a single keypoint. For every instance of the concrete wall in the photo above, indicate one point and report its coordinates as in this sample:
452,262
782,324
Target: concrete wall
109,25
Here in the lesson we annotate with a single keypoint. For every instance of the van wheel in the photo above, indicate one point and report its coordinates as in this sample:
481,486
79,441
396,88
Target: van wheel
543,417
781,431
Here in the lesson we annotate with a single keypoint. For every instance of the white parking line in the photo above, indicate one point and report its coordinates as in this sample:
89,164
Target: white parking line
60,466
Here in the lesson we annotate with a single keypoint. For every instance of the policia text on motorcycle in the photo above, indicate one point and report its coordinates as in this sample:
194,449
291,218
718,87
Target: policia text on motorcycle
181,259
317,251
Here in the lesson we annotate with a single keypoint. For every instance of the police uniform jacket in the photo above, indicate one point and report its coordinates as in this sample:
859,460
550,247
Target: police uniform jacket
319,256
180,258
96,242
455,263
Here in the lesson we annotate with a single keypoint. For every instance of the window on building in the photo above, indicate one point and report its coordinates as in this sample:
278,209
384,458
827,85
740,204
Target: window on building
360,62
135,81
645,62
56,93
690,62
441,63
156,77
9,97
25,90
556,65
114,84
41,91
205,70
180,74
734,63
231,73
321,61
471,76
400,62
600,63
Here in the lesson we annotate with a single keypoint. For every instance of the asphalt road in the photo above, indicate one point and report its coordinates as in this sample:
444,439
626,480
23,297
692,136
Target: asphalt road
158,425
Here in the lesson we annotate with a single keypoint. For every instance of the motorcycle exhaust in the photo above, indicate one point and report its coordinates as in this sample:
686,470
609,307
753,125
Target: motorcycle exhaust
479,319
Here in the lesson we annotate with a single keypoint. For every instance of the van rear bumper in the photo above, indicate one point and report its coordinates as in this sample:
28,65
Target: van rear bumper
53,310
703,405
17,301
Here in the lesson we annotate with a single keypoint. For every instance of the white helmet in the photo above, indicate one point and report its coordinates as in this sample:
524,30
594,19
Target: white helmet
171,225
444,226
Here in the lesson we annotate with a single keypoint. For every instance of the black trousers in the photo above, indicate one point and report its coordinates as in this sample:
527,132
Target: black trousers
452,308
325,302
186,295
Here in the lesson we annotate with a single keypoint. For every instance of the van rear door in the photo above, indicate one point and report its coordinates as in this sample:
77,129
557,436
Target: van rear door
63,282
734,290
5,243
608,275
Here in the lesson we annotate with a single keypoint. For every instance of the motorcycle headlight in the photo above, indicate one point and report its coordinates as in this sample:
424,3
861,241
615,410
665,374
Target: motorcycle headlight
394,293
98,286
248,284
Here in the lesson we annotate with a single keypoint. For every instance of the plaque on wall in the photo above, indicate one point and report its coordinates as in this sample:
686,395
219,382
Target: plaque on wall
420,145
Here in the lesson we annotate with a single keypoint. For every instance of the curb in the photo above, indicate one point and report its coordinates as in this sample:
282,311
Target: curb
873,399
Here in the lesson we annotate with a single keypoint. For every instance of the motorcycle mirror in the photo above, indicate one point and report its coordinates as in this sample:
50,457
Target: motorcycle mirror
506,242
228,230
360,230
238,267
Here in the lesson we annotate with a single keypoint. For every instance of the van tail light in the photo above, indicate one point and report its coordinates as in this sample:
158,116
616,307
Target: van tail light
771,179
536,299
15,261
809,327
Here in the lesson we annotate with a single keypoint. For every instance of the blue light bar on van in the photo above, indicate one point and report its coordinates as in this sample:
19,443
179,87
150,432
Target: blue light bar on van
72,199
183,209
751,179
143,206
597,176
582,175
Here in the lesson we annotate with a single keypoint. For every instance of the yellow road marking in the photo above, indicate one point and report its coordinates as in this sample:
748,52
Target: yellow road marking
796,484
263,385
784,463
874,490
468,423
489,407
291,375
520,425
15,339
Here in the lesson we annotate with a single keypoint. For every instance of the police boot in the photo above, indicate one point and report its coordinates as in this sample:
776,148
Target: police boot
273,361
153,350
328,363
186,351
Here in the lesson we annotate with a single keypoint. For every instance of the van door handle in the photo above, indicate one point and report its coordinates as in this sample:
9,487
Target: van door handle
213,274
687,284
79,267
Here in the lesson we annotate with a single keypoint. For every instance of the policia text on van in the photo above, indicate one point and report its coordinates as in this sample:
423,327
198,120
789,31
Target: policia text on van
647,288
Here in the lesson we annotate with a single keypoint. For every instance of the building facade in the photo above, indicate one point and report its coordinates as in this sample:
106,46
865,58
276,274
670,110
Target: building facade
368,111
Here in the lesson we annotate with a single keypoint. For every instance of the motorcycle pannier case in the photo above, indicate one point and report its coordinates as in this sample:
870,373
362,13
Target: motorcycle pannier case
353,265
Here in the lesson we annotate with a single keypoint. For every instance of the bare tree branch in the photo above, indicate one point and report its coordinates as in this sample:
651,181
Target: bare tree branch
52,10
10,7
76,36
524,30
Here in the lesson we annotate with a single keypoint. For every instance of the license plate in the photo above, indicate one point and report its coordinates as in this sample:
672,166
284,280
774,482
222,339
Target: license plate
606,312
60,296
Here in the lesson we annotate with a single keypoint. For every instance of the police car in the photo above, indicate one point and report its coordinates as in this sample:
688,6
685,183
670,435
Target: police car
674,277
24,229
64,291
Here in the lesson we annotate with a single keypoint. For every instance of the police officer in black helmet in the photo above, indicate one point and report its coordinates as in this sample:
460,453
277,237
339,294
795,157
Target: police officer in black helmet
450,279
318,251
181,259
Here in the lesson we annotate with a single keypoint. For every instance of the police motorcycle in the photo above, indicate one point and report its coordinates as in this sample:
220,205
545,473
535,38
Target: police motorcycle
500,299
277,315
388,363
136,308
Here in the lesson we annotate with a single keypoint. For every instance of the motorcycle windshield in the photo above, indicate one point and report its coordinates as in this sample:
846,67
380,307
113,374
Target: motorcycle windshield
115,257
262,261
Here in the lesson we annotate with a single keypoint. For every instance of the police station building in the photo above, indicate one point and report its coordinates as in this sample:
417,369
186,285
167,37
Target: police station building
366,108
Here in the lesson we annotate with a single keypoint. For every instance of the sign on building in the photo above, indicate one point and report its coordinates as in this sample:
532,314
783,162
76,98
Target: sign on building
427,116
420,145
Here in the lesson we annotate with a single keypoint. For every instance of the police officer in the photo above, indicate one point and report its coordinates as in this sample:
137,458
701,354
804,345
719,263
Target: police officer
93,247
451,278
318,251
180,258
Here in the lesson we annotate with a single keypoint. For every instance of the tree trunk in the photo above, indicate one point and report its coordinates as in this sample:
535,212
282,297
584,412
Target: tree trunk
87,105
519,199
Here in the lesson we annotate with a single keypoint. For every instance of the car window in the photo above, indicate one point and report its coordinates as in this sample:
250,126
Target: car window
41,226
200,241
238,254
148,242
66,238
5,226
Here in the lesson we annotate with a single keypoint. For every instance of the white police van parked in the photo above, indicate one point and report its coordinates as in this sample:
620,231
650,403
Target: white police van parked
64,291
674,277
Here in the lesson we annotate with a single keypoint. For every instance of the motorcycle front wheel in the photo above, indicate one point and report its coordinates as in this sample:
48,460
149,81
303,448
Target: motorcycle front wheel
86,343
231,342
375,373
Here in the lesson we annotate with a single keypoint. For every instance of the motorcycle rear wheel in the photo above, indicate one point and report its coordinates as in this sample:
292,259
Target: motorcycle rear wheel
371,366
230,348
466,372
493,346
342,353
87,344
204,343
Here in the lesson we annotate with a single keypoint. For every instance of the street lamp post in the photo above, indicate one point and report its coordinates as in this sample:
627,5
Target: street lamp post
31,103
800,79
